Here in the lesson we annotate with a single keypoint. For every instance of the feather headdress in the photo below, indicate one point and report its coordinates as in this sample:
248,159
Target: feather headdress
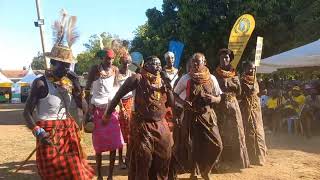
64,30
119,47
64,36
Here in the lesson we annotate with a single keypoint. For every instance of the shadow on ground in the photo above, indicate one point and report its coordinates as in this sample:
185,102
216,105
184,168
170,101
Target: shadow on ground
29,171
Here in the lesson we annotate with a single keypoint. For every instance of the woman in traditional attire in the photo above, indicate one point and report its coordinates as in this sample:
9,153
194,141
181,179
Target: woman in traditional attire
252,116
172,74
126,104
103,84
198,145
229,114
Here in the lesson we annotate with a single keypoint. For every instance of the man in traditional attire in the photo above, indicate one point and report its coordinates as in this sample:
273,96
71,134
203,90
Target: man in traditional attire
126,104
198,144
58,151
103,85
150,138
229,114
252,116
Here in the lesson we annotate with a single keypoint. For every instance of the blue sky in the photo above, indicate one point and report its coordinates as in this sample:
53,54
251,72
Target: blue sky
20,39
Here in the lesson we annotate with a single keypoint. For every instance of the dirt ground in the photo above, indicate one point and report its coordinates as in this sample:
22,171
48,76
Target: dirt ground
289,157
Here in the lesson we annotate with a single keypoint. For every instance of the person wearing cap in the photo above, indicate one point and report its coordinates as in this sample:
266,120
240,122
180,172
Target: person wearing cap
293,107
150,137
102,83
199,144
252,116
229,115
58,150
126,104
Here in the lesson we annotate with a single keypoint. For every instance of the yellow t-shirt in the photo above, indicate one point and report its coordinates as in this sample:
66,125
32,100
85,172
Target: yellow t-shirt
300,100
272,103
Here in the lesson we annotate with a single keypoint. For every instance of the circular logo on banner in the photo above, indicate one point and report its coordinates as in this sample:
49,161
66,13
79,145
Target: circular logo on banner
243,25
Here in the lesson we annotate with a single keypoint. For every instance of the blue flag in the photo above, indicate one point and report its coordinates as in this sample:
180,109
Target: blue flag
177,48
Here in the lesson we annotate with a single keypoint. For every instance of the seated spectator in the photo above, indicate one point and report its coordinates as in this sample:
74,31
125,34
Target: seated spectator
273,105
311,110
293,108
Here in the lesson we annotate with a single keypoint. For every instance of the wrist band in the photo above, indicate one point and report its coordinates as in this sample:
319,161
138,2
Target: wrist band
35,128
37,131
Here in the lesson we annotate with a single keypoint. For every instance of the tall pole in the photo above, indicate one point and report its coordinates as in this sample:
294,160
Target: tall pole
47,65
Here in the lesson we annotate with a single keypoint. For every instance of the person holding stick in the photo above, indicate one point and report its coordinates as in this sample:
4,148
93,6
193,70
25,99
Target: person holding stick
58,150
252,116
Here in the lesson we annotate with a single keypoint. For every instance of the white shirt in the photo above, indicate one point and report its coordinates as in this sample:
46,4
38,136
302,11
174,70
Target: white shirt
181,87
103,90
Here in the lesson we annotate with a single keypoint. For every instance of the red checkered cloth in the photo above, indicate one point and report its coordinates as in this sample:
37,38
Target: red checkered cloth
125,123
63,160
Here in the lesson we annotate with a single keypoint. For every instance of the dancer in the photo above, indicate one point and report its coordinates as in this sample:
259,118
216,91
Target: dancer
58,151
252,116
150,137
199,144
229,114
103,84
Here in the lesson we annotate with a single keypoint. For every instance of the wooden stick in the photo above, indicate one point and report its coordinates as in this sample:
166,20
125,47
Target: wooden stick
25,161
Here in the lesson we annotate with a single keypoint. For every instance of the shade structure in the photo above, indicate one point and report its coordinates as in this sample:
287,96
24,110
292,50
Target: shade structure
4,81
304,56
28,78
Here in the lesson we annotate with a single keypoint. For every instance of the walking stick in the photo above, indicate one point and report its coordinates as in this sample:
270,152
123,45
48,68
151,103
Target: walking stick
25,161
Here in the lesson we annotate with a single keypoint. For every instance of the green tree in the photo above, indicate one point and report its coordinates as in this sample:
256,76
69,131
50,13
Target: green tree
205,26
38,62
88,58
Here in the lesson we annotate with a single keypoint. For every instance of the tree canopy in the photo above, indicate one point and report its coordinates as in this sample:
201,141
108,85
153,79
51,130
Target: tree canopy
88,58
38,62
204,26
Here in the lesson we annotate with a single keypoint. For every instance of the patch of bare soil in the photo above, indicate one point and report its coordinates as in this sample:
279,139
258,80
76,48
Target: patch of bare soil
289,157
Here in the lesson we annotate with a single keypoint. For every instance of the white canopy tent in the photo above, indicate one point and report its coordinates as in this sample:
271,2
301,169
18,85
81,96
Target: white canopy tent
304,56
4,81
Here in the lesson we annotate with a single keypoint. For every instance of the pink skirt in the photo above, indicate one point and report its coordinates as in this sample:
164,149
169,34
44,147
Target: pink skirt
106,137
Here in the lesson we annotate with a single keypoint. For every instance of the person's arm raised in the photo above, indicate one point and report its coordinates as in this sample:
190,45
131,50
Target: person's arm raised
129,85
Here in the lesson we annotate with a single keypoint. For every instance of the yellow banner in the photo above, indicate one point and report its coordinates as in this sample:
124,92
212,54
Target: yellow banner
239,36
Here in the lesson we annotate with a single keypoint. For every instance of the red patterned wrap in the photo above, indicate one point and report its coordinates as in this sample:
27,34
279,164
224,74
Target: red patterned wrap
64,159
